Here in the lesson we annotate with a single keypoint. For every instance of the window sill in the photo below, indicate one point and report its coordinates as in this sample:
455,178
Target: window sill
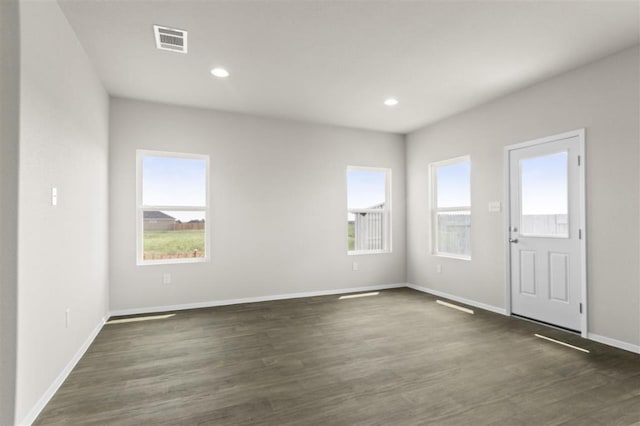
360,253
171,261
452,256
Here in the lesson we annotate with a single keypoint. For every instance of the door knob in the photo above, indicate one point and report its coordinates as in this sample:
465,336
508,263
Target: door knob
513,240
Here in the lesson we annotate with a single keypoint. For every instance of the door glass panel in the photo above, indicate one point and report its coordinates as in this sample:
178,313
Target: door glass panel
544,196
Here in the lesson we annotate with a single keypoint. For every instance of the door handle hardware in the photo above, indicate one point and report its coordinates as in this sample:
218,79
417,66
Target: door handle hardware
513,240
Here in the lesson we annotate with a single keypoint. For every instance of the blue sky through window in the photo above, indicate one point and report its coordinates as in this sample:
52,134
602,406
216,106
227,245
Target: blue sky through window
365,188
175,182
544,184
454,187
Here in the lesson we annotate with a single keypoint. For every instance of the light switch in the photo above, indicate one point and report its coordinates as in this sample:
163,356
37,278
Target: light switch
494,206
54,196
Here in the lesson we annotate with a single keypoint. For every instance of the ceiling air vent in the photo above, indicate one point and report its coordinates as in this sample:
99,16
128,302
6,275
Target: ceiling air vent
170,39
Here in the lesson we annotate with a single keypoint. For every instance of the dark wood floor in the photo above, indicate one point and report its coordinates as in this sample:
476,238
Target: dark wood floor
394,359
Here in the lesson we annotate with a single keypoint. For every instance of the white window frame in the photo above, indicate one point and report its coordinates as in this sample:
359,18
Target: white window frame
386,211
140,209
433,167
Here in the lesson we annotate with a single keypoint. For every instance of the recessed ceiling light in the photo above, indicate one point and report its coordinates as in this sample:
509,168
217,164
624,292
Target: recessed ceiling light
220,72
391,102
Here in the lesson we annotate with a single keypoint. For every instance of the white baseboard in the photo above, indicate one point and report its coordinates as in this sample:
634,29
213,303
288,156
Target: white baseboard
53,388
469,302
226,302
615,343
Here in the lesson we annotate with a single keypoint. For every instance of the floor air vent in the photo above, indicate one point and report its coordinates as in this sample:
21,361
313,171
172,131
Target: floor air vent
170,39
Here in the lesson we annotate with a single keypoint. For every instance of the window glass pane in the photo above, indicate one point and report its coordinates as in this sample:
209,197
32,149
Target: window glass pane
173,234
544,195
366,189
454,188
366,231
170,181
454,232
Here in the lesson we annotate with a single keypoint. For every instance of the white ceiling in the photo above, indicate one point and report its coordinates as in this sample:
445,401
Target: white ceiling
336,61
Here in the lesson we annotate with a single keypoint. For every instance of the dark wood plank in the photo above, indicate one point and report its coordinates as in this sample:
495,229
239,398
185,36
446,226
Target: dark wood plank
397,358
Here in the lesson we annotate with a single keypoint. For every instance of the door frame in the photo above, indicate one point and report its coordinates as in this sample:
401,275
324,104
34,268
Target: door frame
580,133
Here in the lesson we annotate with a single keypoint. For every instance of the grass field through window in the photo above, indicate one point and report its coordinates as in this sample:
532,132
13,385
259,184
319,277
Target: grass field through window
174,244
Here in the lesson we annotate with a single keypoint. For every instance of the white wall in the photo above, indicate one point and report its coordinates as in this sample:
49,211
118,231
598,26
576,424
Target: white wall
63,250
601,97
9,142
278,195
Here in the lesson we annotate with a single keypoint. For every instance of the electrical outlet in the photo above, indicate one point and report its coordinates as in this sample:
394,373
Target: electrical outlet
439,268
355,266
166,278
67,317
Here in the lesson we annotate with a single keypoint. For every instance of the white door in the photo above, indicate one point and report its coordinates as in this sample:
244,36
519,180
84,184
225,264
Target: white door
545,230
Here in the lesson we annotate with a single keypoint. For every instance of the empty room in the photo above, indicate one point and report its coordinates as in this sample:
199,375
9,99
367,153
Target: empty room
312,212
